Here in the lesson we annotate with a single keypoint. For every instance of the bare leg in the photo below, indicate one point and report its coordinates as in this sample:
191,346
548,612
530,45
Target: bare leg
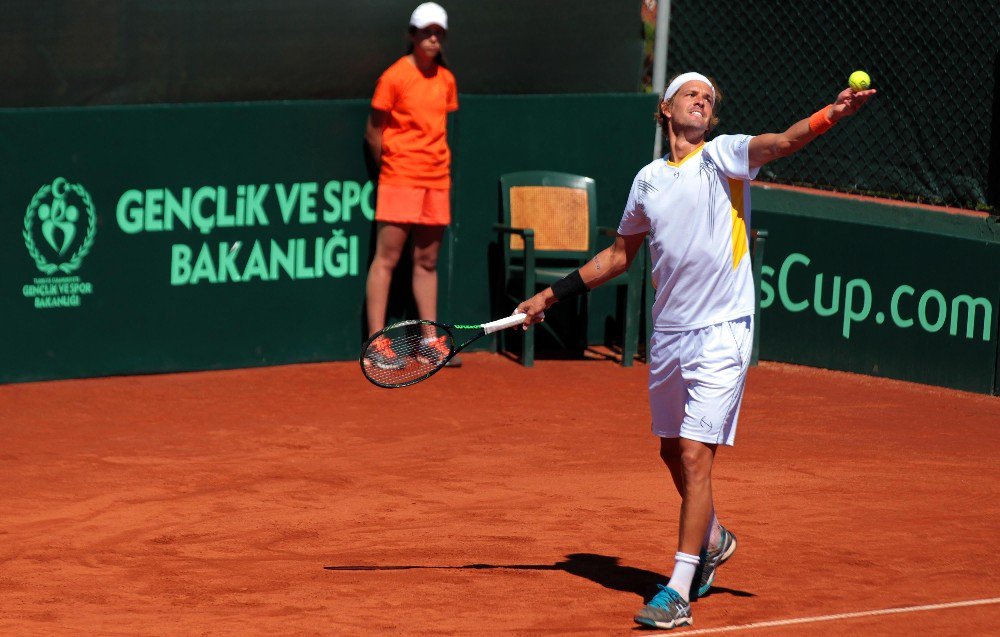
690,465
389,243
696,460
426,247
670,453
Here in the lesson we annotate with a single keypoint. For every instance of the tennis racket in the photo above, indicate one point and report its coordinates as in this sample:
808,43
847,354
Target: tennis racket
409,352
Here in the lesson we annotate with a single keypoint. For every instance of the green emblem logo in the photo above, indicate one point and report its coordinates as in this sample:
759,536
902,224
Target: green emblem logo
53,232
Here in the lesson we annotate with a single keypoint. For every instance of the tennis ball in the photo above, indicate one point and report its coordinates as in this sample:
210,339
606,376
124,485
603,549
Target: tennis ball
859,80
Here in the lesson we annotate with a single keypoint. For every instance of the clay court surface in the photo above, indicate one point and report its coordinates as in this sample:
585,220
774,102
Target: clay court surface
492,499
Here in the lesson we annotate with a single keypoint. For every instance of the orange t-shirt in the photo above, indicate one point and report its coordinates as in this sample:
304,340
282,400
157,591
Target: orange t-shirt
414,143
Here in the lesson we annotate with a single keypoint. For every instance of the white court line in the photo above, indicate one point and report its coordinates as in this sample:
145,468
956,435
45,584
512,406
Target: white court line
828,618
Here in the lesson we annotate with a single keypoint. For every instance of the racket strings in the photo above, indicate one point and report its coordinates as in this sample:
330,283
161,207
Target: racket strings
406,354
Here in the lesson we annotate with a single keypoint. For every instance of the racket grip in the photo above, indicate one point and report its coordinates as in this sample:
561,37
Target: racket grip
501,324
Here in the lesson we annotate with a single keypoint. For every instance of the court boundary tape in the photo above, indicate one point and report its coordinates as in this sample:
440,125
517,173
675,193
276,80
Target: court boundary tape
826,618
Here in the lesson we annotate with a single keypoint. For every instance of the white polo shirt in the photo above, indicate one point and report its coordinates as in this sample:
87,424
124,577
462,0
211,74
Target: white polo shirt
697,214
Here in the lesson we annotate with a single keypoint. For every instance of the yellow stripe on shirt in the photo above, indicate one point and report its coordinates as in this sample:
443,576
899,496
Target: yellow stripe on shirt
740,245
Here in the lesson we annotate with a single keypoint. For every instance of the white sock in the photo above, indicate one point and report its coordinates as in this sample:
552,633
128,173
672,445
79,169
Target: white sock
684,568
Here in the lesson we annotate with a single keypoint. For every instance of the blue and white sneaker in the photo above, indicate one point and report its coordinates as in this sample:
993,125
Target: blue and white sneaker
665,611
711,560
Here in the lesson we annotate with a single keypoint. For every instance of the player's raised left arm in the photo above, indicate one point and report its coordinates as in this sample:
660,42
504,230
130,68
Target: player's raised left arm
770,146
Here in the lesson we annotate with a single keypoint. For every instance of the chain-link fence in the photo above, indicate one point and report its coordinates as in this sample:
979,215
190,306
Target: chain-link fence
931,135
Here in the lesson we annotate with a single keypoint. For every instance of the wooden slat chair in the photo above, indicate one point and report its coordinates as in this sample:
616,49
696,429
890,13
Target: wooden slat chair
548,229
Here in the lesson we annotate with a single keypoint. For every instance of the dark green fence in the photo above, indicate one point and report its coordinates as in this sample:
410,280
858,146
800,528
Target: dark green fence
164,238
202,237
168,238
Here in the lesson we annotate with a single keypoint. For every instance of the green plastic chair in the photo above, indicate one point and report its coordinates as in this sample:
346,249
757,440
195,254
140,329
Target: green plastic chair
548,229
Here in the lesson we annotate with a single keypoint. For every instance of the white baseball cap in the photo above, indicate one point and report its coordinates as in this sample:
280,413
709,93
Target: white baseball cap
429,13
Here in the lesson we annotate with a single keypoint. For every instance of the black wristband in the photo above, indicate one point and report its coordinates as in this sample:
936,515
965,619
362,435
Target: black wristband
570,285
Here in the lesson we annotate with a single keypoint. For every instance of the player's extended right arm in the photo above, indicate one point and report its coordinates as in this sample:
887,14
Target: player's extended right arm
606,265
770,146
373,132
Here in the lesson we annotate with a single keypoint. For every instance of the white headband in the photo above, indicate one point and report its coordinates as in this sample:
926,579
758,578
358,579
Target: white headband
683,79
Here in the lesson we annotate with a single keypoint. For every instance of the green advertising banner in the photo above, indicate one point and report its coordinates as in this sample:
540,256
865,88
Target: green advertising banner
188,237
848,286
181,237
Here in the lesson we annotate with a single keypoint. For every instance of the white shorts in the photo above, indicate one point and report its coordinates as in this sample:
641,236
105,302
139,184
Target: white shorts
696,381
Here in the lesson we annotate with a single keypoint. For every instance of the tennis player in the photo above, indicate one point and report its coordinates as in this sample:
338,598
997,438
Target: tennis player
406,132
694,206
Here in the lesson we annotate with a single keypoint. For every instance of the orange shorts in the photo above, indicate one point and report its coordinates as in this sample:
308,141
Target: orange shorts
413,204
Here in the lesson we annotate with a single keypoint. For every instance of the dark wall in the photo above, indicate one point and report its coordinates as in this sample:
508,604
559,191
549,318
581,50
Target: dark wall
79,52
